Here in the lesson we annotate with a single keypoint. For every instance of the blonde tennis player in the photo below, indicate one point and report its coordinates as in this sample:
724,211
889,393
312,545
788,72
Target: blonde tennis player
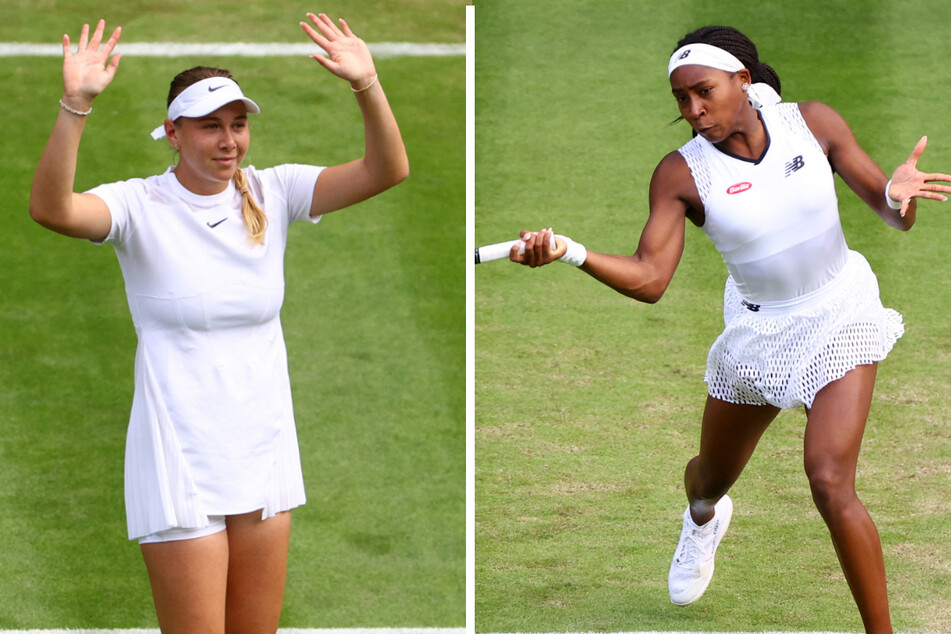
212,462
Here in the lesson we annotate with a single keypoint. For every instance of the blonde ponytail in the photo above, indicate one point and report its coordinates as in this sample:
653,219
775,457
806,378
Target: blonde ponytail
255,221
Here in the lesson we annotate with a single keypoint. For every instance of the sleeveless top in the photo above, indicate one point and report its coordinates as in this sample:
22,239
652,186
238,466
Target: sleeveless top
775,220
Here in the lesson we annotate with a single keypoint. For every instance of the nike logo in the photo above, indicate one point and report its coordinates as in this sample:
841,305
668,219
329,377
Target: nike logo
217,223
214,88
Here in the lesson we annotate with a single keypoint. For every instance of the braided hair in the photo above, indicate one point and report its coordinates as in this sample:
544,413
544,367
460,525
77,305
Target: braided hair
255,220
740,46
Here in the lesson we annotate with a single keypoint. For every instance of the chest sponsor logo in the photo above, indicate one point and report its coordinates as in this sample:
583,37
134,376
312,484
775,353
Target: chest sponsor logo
794,165
739,188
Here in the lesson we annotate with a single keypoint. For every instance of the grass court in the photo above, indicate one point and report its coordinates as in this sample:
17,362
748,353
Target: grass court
373,318
588,403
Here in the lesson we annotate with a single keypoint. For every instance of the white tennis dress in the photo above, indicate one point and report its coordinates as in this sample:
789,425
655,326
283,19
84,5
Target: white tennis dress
800,309
212,427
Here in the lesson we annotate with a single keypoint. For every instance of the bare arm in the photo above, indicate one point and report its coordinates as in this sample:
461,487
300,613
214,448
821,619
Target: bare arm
384,163
865,177
53,203
646,274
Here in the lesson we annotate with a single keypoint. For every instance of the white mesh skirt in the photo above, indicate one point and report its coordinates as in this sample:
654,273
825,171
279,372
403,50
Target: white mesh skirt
783,353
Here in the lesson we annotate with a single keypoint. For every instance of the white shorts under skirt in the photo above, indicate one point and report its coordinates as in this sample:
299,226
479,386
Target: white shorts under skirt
216,524
783,353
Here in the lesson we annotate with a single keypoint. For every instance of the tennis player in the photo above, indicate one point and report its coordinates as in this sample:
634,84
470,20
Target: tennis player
212,462
804,325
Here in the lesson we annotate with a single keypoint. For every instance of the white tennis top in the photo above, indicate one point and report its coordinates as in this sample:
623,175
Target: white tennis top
774,220
212,425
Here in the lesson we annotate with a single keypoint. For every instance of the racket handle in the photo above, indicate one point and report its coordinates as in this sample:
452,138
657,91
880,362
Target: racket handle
497,251
501,250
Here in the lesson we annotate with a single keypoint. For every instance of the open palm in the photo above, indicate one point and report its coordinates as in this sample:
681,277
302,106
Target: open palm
88,71
909,182
348,57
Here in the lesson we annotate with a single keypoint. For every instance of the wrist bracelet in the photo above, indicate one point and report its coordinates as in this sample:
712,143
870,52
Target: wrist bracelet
894,204
368,86
73,110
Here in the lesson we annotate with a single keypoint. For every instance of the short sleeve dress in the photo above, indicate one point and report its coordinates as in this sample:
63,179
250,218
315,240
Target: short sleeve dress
212,428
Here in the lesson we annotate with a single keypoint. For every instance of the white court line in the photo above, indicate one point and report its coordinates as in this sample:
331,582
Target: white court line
411,630
377,630
380,50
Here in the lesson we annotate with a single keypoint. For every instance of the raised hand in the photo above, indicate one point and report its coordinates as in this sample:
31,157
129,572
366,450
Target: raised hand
908,182
88,71
348,57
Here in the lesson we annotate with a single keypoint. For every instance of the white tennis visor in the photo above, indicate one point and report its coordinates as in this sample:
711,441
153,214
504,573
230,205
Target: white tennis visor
204,97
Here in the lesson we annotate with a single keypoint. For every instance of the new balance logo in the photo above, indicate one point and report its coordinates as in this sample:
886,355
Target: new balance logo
794,165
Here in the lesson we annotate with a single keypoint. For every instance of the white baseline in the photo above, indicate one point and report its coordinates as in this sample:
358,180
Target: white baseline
378,630
408,630
380,50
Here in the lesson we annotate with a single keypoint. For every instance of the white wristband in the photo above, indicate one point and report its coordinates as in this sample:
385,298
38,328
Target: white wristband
576,253
894,204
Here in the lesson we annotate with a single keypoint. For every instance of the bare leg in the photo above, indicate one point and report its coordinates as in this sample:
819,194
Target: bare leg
832,442
728,436
257,571
189,581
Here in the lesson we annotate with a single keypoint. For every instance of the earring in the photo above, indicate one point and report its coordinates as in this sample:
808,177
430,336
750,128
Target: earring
745,87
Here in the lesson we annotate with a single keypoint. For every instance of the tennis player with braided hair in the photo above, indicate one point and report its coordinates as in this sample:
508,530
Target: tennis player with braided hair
804,325
212,462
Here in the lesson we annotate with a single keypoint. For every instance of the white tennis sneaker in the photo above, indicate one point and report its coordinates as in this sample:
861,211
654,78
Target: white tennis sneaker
692,568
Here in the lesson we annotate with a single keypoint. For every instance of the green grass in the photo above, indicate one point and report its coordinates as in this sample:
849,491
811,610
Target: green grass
373,318
587,403
222,21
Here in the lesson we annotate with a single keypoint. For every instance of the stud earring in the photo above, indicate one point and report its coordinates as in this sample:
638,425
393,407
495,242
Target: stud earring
745,87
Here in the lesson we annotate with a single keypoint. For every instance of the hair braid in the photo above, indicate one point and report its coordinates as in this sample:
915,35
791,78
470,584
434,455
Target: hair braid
255,220
740,46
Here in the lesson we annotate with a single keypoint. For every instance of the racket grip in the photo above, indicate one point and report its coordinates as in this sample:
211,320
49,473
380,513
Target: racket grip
497,251
500,250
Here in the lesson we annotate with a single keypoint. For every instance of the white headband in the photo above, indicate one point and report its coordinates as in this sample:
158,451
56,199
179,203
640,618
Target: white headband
760,94
704,55
204,97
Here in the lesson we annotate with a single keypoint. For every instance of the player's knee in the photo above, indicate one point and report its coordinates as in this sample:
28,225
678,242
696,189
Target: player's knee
832,487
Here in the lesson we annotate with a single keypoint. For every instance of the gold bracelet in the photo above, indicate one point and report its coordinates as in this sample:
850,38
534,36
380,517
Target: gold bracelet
368,86
74,111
